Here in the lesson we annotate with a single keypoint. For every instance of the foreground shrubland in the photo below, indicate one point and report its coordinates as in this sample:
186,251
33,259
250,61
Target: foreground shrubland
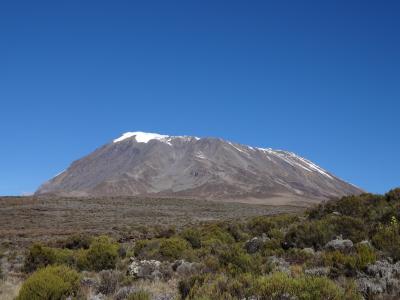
343,249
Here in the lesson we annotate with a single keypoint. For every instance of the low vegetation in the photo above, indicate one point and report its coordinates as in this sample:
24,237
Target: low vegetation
51,282
322,254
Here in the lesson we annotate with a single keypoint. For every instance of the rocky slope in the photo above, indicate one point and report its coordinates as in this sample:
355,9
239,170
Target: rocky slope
149,164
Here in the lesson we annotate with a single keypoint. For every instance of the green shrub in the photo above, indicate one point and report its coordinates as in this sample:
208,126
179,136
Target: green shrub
352,228
173,248
238,231
235,260
272,247
387,239
350,263
340,261
193,236
102,254
216,286
146,248
139,295
311,234
77,242
50,283
163,249
264,224
304,287
365,256
274,286
216,234
40,256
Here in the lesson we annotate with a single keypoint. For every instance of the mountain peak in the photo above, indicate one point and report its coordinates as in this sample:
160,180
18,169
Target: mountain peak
141,137
189,167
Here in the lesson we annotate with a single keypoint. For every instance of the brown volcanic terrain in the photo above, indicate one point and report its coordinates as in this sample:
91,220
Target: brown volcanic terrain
27,219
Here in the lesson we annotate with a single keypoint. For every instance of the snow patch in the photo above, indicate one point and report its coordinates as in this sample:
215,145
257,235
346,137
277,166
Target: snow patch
141,137
296,161
58,174
238,149
145,137
200,155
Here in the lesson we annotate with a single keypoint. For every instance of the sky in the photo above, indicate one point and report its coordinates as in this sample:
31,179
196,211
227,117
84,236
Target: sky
319,78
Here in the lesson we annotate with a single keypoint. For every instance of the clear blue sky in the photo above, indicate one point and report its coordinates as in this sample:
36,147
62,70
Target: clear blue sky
319,78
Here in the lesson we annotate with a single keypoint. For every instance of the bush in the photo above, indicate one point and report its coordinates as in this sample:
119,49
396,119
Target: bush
387,239
77,242
350,263
340,261
304,287
393,195
40,256
193,236
274,286
235,260
50,283
264,224
102,254
139,295
365,256
215,233
173,248
146,248
352,228
311,234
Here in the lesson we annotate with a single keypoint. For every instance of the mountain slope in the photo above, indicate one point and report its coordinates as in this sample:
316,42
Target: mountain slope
149,164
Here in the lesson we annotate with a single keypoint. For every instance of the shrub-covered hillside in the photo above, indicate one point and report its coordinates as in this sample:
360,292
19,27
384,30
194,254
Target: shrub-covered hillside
343,249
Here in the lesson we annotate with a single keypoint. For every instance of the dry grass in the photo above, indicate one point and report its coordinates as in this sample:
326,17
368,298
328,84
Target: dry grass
27,219
9,288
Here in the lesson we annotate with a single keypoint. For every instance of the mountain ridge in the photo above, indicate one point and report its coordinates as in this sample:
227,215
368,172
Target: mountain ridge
151,164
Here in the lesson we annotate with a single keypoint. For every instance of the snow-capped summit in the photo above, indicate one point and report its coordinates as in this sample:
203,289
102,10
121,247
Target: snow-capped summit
141,137
157,165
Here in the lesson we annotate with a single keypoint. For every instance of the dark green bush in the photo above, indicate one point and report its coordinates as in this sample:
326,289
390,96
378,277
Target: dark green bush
352,228
102,254
77,242
173,248
193,236
393,195
216,233
163,249
40,256
235,260
311,234
50,283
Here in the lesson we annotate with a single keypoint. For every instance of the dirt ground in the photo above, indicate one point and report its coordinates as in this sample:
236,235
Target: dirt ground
27,219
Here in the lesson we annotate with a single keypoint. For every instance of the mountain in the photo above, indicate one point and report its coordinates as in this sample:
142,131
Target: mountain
154,165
